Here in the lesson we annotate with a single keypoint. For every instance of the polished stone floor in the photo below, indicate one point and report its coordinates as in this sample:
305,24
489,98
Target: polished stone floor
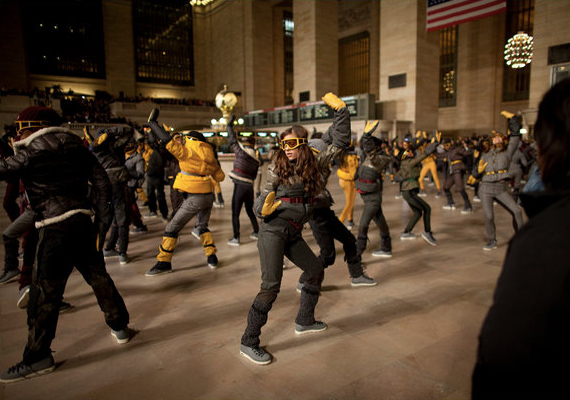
413,336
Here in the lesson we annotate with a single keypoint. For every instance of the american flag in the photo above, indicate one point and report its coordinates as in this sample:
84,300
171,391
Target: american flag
444,13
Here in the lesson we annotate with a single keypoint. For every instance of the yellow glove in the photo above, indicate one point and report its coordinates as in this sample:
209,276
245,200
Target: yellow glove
333,101
371,126
438,136
100,140
471,180
424,134
507,115
87,135
481,167
270,205
418,134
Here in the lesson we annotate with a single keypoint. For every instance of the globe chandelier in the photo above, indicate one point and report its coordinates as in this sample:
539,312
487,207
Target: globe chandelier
518,50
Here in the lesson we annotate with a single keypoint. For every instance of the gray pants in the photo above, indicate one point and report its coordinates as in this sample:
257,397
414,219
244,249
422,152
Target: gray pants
488,192
190,207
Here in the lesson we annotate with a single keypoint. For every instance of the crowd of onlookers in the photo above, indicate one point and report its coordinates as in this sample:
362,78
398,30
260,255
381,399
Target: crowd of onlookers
94,109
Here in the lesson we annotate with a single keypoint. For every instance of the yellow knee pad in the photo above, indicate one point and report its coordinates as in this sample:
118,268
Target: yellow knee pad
166,249
207,241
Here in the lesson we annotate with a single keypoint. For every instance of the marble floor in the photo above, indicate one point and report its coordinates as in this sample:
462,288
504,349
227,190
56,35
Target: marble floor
413,336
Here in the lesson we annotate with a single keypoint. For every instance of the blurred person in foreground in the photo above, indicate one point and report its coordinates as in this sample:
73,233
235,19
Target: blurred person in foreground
66,187
524,343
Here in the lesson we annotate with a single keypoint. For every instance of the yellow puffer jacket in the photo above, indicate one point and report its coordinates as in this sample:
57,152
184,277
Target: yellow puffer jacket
197,163
347,169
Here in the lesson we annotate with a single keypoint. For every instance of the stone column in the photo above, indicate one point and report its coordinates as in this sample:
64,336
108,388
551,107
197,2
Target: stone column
315,43
409,55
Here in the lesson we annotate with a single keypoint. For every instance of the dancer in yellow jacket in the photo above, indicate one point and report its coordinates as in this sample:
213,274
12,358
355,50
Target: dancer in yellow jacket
198,163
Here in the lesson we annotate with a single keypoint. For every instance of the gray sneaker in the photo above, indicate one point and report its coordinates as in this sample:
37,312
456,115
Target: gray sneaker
122,336
449,207
123,258
428,237
110,253
491,245
234,242
23,371
407,236
300,286
23,297
363,280
318,326
254,236
9,276
255,354
382,253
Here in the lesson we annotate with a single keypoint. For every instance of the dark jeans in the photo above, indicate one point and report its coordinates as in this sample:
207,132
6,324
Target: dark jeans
326,228
419,207
63,246
243,194
11,236
277,239
10,197
155,193
372,212
119,232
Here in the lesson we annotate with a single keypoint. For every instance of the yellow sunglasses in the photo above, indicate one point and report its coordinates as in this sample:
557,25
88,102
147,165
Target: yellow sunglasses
292,143
21,125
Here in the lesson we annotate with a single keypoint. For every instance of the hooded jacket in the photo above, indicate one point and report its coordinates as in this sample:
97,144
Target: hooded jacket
197,163
336,139
370,170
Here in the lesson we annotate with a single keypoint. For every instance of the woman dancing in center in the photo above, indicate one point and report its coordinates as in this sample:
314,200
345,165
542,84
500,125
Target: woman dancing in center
294,181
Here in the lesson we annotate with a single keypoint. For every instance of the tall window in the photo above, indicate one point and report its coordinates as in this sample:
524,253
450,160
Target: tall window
288,27
516,81
164,41
64,39
448,66
354,64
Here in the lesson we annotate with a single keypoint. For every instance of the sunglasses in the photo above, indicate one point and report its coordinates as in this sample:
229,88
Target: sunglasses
292,143
21,125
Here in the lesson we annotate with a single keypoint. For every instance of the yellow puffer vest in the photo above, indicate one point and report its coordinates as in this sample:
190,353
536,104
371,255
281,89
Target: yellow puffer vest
348,168
197,164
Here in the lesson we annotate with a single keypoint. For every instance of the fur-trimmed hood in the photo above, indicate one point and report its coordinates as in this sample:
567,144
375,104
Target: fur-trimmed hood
52,129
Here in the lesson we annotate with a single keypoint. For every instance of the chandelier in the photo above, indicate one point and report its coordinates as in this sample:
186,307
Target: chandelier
202,3
518,50
449,82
